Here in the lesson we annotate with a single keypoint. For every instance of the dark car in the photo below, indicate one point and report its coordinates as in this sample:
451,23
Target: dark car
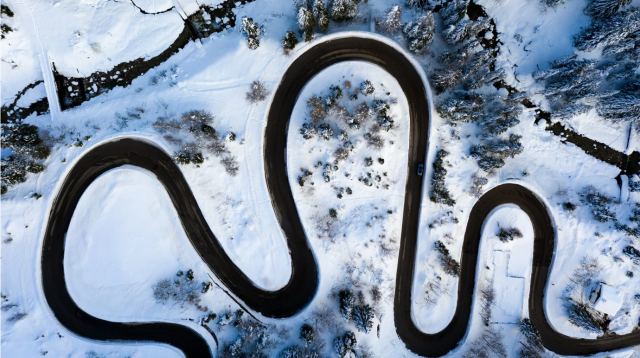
420,169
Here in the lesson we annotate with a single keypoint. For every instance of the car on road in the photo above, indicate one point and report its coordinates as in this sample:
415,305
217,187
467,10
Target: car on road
420,169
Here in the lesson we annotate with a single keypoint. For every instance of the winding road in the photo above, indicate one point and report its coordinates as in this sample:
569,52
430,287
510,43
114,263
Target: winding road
303,283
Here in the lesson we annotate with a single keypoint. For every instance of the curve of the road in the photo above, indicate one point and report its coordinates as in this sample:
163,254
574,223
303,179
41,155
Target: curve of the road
303,282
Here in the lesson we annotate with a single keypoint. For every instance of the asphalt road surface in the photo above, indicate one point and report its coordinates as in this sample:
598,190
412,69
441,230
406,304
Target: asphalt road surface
303,283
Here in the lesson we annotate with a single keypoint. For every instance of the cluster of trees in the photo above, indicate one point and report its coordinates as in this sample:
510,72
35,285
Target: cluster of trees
609,83
355,309
582,315
5,12
195,134
23,151
315,15
347,114
181,289
488,345
532,346
487,297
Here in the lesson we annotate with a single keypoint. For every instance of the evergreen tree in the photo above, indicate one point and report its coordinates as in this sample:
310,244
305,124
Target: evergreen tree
321,14
289,41
252,32
306,23
419,33
344,10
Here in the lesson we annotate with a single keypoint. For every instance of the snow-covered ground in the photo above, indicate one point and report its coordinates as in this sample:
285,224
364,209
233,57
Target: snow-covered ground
125,236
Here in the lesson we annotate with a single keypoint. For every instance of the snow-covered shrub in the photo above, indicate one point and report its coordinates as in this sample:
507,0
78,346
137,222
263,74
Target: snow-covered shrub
289,41
506,234
598,203
196,136
552,3
251,339
418,4
392,21
434,290
304,176
491,154
252,31
306,23
487,297
488,345
362,317
439,192
307,333
181,289
582,315
257,92
4,27
633,253
448,263
321,15
298,352
344,10
367,88
23,151
532,346
419,33
477,184
344,345
605,8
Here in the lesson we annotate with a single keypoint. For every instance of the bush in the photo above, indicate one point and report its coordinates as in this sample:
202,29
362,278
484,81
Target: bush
307,333
598,204
439,192
492,154
449,265
487,296
257,92
581,315
633,253
181,289
532,346
506,234
252,32
488,345
345,345
23,152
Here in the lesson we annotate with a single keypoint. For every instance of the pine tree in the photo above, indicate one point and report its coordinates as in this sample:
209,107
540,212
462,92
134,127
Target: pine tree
419,33
306,23
289,41
252,31
392,22
321,14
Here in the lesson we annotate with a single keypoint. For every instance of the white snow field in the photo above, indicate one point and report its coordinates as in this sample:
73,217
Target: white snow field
125,237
